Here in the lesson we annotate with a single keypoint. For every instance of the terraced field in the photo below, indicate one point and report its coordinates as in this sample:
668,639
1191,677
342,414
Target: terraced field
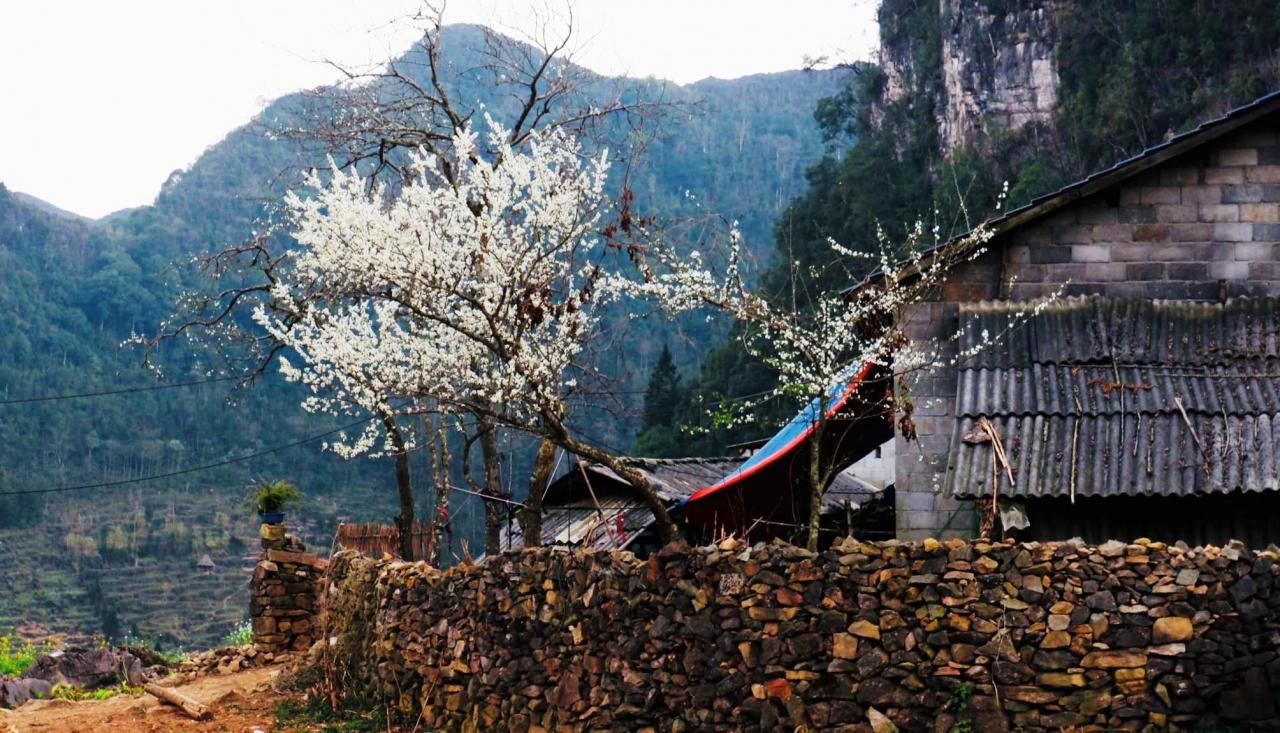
128,567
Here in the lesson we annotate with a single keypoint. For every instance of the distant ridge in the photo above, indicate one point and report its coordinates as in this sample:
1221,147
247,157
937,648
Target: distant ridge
48,208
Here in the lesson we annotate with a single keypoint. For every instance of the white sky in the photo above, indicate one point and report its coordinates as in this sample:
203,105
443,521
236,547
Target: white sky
102,100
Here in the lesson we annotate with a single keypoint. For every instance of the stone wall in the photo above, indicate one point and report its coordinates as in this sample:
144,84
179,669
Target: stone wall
1194,228
283,599
931,636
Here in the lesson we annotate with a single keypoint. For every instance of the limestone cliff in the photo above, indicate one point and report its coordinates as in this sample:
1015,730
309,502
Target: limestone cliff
985,66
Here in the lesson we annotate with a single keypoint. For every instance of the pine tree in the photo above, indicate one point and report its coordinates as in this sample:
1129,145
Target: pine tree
659,434
663,395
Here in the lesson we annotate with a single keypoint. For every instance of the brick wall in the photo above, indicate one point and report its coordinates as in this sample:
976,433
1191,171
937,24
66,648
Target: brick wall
1196,227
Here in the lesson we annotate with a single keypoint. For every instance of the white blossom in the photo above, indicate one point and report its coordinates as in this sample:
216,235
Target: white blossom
478,284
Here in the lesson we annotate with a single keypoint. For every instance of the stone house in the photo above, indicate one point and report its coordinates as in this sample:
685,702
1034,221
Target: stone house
1142,402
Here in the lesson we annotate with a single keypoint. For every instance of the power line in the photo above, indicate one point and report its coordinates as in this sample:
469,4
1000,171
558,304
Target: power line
108,392
193,469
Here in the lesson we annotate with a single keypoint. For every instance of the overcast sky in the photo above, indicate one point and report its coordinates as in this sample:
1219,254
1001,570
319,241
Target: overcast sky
102,100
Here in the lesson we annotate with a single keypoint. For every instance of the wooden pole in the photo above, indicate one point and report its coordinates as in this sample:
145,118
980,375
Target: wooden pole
194,709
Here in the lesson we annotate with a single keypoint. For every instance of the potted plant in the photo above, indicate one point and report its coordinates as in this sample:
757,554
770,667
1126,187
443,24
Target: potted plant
271,498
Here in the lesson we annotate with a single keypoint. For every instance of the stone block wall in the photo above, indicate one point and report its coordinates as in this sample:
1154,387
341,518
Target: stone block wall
283,599
930,636
1197,227
1201,225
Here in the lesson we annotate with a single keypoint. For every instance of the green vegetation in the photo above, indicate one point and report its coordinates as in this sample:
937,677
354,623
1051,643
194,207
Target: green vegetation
68,692
660,434
1130,73
120,559
241,635
316,712
274,496
171,655
116,560
16,655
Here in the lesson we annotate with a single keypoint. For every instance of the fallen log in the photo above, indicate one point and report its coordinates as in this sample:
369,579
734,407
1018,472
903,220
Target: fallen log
196,710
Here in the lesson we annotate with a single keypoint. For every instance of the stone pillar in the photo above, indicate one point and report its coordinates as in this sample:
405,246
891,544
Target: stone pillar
283,592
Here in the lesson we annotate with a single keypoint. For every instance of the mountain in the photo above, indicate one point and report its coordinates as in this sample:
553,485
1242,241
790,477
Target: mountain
48,208
967,96
119,559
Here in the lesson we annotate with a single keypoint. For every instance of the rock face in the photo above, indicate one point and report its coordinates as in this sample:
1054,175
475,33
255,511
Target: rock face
998,68
997,64
86,668
15,692
551,639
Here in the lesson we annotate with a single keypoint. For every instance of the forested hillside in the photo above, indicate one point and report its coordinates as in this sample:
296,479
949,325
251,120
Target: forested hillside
969,95
120,557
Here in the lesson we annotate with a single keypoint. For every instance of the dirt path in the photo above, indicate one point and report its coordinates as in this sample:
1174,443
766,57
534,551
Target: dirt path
243,702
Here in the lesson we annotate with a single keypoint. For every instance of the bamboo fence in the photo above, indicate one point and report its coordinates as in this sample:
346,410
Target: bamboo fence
375,539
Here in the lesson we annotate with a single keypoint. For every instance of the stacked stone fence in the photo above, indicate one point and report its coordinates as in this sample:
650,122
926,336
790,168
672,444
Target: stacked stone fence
283,598
950,636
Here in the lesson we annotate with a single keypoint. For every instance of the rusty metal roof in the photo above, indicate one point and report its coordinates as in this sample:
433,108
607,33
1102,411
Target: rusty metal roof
580,523
675,478
1102,397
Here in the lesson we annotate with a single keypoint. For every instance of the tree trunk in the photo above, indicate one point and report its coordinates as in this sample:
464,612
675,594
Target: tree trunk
666,528
442,535
493,506
404,520
816,484
531,514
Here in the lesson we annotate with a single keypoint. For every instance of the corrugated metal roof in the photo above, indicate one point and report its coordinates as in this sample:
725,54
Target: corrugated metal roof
575,520
570,515
1129,455
675,479
1248,387
1085,398
1084,330
580,523
848,490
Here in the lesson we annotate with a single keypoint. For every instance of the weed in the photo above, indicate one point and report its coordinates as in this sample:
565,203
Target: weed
241,635
267,497
173,655
16,655
958,703
68,692
315,711
960,698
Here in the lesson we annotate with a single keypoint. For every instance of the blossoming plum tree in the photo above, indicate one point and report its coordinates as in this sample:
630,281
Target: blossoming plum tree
478,285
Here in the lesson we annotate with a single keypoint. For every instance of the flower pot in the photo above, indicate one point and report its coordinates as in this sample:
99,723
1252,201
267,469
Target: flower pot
271,517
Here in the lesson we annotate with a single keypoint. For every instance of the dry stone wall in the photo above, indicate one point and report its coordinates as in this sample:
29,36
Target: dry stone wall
283,599
932,636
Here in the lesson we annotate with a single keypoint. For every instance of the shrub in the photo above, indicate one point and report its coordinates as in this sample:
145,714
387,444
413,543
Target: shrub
274,496
16,655
241,635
